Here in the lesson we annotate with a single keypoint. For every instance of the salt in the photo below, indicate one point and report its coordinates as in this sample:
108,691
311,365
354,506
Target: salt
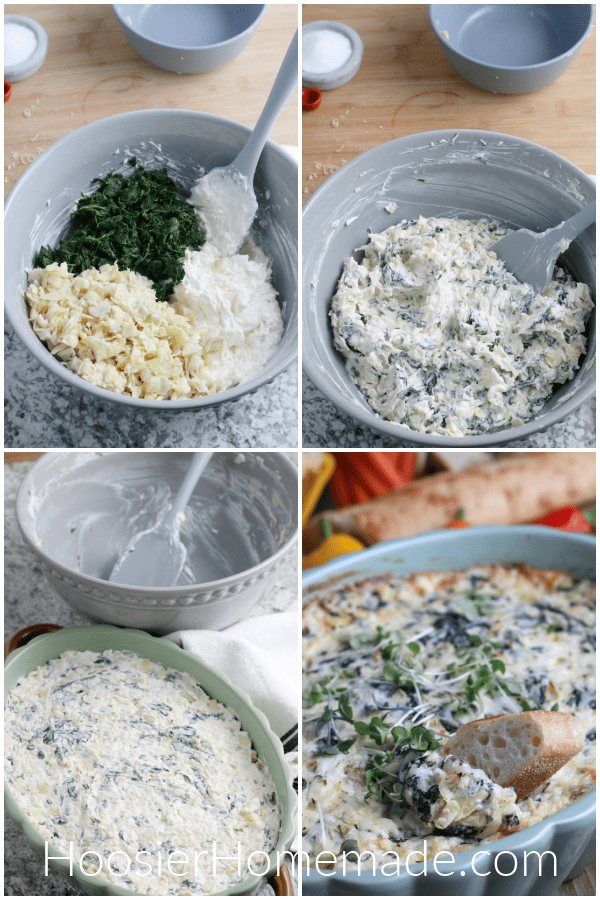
325,50
19,44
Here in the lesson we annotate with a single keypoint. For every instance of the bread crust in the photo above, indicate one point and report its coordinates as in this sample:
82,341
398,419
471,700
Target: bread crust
520,750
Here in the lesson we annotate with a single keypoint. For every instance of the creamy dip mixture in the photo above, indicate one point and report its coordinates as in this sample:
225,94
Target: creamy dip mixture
117,753
402,650
441,338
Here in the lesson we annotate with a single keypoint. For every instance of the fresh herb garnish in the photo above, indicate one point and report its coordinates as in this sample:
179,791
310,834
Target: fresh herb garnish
483,676
326,729
474,605
478,672
382,784
136,222
327,689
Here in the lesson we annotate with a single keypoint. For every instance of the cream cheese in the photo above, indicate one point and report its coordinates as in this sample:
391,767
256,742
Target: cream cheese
230,300
225,206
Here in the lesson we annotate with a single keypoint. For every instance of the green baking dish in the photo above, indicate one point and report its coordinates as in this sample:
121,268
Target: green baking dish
104,637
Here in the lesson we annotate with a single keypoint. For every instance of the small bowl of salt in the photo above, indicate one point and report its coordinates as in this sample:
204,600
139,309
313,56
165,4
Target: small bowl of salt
25,47
331,54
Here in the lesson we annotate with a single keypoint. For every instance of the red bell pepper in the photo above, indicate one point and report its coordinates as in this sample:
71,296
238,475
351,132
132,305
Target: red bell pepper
567,518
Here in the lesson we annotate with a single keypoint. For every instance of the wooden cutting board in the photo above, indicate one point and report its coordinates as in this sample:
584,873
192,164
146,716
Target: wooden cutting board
406,85
91,71
21,457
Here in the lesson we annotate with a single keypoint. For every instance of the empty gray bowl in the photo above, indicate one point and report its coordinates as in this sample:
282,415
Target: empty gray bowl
189,37
38,208
511,48
459,174
72,509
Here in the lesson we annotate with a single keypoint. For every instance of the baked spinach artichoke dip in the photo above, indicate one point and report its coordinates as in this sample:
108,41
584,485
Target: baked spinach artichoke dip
395,666
439,337
126,766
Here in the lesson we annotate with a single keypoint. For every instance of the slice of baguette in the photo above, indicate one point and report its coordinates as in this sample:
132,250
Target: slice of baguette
520,750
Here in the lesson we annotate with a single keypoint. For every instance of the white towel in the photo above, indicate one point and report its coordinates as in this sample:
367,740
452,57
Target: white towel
258,655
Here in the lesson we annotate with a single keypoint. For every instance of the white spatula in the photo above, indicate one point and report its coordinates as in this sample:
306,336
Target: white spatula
155,558
531,257
225,196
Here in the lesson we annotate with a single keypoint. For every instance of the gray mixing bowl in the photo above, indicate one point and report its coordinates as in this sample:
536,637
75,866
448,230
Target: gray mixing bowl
39,205
466,174
189,37
511,48
71,508
570,833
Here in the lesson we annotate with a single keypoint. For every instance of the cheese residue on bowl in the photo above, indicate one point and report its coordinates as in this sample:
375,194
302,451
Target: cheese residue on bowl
439,337
117,753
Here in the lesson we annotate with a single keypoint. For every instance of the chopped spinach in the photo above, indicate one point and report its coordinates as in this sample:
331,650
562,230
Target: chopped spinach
137,222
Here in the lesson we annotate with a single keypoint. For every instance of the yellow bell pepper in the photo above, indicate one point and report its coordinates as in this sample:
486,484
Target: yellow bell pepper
333,545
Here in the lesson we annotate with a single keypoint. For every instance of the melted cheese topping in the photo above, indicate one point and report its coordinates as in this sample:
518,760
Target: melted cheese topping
544,624
117,753
452,798
441,338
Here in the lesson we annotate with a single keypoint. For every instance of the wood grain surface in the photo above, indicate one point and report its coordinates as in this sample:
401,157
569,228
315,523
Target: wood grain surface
406,85
21,457
584,886
91,71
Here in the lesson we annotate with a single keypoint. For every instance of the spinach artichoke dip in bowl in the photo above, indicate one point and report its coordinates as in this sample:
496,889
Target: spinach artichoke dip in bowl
112,284
404,646
132,747
412,325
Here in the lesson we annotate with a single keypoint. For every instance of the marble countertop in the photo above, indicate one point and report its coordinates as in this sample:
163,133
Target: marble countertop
28,598
41,411
324,425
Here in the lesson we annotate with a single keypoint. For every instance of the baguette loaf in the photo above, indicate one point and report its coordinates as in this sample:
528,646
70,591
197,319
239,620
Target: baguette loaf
517,487
520,750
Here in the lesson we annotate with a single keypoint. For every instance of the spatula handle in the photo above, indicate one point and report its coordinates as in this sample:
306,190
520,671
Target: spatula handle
579,222
286,81
197,466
